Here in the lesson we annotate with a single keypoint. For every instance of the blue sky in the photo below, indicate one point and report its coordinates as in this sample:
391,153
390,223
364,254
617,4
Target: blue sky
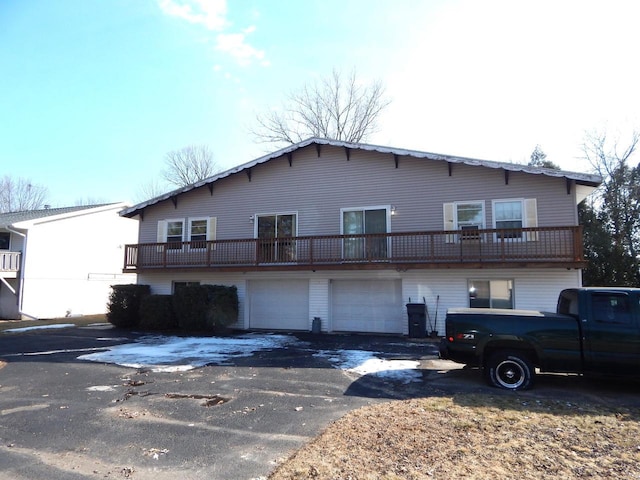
93,93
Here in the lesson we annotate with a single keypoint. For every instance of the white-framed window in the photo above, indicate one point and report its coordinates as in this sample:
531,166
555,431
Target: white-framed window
175,234
198,228
197,231
366,220
490,293
515,213
275,233
466,216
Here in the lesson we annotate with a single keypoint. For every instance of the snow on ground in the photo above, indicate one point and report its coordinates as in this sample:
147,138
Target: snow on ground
39,327
369,363
177,354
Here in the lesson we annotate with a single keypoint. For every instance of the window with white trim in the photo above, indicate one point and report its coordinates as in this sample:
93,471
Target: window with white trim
365,220
275,234
198,232
175,234
491,294
466,216
515,214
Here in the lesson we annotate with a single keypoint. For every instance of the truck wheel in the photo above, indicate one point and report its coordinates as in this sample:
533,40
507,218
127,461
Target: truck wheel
510,370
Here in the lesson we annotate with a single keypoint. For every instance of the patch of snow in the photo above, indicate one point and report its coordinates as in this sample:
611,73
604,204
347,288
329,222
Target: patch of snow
98,326
178,354
101,388
370,363
40,327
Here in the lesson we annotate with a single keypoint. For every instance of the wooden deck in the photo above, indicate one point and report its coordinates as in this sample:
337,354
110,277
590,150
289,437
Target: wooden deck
489,248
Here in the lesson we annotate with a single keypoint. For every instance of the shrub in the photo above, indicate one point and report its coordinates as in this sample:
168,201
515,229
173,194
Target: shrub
224,307
123,309
156,313
205,307
190,305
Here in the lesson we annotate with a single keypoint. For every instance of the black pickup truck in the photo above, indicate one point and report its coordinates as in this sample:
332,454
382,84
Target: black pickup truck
594,331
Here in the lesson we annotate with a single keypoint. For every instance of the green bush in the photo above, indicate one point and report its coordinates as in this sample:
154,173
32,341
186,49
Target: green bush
190,305
224,307
123,309
156,313
205,307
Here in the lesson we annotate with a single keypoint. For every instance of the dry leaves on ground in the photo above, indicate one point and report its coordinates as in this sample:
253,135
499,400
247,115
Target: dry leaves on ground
474,437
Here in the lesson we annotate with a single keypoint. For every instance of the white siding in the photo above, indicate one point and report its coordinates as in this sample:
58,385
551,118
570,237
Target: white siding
318,305
71,263
534,289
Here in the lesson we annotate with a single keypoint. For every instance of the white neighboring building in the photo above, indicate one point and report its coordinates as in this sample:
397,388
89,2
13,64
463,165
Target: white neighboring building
61,262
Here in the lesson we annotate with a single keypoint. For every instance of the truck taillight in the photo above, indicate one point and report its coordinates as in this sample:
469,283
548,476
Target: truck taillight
450,339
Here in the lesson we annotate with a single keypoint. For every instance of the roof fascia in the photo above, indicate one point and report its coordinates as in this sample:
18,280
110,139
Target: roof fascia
26,224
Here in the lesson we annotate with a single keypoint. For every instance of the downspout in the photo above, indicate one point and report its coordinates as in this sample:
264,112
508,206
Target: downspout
21,273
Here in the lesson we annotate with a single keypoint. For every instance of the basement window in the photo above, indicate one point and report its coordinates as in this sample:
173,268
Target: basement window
491,294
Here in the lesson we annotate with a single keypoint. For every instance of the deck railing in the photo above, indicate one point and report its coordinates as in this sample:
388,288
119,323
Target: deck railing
9,261
541,245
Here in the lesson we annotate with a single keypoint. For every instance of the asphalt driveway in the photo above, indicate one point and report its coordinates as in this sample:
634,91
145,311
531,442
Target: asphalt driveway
66,414
66,418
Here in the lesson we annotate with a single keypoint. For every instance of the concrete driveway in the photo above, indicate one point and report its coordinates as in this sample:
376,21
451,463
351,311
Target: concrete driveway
235,418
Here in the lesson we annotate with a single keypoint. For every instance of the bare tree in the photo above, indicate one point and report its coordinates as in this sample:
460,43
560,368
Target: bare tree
151,189
332,107
18,195
612,221
189,165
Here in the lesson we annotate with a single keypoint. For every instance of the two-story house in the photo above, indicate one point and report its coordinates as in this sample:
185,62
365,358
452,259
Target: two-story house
350,233
59,262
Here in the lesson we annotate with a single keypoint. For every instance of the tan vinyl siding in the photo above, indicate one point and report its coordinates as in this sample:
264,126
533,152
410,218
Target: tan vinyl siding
318,187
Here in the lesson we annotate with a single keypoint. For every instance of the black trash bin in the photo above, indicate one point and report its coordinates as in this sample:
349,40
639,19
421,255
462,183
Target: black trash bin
417,314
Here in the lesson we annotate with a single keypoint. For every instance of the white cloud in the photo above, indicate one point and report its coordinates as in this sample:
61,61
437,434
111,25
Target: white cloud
210,13
235,45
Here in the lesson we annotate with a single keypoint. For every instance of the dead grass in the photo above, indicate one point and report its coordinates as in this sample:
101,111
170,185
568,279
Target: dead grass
473,437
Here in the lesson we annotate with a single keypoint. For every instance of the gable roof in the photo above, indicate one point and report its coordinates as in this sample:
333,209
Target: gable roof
13,218
583,179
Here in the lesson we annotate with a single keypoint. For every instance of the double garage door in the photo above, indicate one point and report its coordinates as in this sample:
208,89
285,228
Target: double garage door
373,306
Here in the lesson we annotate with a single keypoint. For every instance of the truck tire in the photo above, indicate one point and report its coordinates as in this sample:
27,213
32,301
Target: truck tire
511,370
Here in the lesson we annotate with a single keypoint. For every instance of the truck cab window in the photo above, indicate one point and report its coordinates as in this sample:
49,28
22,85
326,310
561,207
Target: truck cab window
611,308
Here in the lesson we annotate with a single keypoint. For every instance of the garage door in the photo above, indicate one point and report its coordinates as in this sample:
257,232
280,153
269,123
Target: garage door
279,304
367,306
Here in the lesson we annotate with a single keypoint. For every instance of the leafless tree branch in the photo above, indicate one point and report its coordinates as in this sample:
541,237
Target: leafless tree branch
334,107
18,195
189,165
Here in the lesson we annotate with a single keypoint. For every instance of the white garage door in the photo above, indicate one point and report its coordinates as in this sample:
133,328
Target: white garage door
367,306
279,304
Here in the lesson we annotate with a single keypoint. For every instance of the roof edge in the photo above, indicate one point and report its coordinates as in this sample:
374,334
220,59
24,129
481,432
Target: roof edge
586,179
82,210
